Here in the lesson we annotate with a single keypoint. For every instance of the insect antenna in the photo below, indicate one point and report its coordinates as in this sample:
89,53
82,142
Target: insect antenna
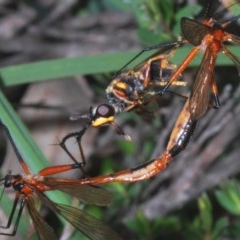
222,11
232,20
208,8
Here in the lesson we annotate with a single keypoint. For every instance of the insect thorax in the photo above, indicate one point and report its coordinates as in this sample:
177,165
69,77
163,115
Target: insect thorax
125,91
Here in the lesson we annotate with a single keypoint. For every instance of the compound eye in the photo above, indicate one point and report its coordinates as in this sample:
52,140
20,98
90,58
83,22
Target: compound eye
104,114
105,110
8,181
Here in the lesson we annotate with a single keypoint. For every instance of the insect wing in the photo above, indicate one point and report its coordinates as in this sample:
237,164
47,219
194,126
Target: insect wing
44,231
199,98
86,223
194,31
86,193
162,54
82,221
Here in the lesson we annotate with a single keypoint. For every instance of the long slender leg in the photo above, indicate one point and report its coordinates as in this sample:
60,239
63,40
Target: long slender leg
22,204
215,94
59,169
192,54
18,216
234,59
64,147
12,212
78,136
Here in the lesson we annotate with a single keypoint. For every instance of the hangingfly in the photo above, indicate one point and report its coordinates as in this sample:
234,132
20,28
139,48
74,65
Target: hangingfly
30,188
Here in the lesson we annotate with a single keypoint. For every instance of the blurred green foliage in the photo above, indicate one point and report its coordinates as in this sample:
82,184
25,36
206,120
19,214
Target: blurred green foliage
217,218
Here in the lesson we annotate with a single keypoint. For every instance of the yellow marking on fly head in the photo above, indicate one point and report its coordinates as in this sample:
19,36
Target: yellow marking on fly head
101,121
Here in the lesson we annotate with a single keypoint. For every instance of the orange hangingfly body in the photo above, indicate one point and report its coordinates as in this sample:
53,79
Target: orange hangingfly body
210,37
31,187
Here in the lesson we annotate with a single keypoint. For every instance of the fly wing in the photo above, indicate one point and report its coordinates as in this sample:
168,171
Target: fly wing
89,225
163,53
194,31
44,231
82,221
199,98
86,193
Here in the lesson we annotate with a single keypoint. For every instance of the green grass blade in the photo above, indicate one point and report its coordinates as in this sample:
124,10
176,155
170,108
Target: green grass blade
110,62
58,68
24,142
29,151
